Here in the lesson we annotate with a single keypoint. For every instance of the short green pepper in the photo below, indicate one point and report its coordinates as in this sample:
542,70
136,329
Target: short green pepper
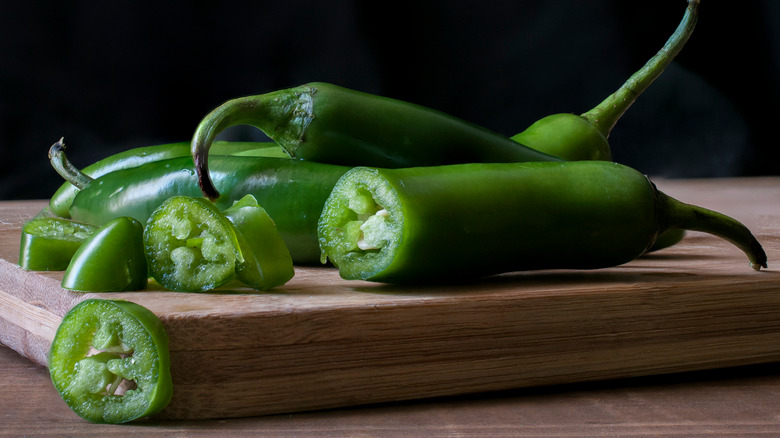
471,220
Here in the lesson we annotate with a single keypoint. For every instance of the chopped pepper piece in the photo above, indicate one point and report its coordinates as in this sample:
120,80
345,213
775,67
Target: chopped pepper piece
190,245
111,260
110,363
267,262
48,244
193,247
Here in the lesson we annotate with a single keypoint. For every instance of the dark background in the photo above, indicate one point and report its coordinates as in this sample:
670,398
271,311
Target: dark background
111,75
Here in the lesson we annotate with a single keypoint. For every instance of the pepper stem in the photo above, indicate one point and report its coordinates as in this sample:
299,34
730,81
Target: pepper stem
606,114
65,168
690,217
282,115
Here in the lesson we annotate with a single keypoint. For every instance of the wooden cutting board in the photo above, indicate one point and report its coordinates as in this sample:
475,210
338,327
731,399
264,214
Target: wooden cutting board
322,342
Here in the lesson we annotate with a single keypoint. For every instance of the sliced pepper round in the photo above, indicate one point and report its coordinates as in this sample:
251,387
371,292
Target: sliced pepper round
48,244
112,259
190,245
110,363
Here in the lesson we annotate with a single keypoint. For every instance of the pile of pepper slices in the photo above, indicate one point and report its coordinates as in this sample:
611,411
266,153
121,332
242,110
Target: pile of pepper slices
383,189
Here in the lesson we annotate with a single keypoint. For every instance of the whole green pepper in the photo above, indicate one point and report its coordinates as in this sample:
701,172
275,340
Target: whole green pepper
109,361
59,203
291,191
584,137
112,259
48,243
329,124
193,247
471,220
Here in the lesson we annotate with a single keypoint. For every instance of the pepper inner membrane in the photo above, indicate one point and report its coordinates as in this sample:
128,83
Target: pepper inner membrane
200,251
362,224
369,229
109,367
58,228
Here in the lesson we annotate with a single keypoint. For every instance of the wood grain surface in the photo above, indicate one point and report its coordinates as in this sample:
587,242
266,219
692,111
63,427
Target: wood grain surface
737,402
321,342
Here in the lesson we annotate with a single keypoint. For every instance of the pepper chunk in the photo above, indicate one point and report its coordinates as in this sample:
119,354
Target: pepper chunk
192,246
109,361
291,191
267,262
48,244
111,260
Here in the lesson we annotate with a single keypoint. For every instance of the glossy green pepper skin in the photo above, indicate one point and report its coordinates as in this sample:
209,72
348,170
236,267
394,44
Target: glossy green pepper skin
568,136
110,363
267,261
584,137
445,223
111,259
292,192
59,203
48,243
329,124
194,247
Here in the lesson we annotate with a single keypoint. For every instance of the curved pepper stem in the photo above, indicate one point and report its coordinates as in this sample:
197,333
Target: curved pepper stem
684,216
65,168
259,111
606,114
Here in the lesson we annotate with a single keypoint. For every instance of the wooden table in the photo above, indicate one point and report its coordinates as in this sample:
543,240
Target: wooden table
738,401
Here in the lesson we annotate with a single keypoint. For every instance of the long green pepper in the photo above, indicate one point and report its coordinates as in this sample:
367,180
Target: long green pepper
472,220
291,191
330,124
59,203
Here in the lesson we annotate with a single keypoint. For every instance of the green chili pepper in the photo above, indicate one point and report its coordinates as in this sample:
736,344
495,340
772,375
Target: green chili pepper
472,220
59,203
109,361
112,259
48,244
329,124
193,247
291,191
584,137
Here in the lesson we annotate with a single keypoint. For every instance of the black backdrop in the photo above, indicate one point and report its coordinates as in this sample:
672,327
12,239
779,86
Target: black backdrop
110,75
